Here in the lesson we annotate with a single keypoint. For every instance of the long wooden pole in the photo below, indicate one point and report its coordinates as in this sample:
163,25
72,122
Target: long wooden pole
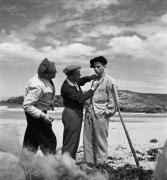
127,134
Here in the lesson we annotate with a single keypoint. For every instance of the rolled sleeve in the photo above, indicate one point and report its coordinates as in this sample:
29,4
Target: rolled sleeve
32,96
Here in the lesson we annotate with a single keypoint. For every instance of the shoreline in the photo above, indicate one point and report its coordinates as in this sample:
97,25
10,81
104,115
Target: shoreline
60,109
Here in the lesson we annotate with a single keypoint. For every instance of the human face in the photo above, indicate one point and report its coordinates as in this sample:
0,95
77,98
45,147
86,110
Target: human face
76,75
53,75
98,68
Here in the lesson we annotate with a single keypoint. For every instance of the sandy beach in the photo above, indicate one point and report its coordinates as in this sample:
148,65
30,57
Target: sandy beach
142,129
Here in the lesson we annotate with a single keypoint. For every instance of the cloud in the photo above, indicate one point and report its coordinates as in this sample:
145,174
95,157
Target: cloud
74,31
10,9
164,18
127,45
17,52
152,48
142,86
146,40
76,22
50,40
69,53
81,6
98,31
31,30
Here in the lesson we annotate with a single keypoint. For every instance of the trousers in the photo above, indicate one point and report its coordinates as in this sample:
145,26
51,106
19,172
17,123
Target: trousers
95,138
72,121
39,134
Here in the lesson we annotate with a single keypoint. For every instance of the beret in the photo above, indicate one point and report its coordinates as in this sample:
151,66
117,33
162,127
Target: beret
101,59
46,67
70,69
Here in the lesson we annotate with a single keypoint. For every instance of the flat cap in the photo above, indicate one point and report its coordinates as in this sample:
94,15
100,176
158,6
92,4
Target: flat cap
70,69
101,59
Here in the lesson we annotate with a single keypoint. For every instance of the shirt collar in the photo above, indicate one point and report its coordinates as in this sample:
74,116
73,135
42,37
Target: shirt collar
102,76
71,83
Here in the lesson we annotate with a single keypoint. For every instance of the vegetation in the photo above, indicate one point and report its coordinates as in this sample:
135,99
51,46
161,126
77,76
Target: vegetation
129,102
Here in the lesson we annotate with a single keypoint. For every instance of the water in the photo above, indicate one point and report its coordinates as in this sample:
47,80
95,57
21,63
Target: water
142,127
18,114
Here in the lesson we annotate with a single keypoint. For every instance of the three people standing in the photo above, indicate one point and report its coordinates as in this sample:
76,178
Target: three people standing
39,98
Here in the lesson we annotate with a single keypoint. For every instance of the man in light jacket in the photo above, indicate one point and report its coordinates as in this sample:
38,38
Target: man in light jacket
39,98
101,107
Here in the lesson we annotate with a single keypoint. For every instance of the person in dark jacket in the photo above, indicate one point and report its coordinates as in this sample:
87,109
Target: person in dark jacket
73,100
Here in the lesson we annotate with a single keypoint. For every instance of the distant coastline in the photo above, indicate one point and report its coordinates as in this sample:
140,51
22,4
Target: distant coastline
129,101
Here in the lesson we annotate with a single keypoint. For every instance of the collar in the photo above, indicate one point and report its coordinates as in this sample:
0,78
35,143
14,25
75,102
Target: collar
71,83
102,76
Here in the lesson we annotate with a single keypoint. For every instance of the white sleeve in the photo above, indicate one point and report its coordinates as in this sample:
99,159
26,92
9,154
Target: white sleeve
32,96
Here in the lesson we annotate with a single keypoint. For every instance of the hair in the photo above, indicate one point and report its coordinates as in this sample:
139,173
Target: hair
100,59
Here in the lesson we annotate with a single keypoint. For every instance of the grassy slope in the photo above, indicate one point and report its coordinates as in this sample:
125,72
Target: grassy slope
129,102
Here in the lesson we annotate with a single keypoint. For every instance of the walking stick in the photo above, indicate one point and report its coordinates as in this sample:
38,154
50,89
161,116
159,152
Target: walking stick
127,134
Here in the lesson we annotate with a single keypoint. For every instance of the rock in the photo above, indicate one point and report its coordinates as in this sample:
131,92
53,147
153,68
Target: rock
152,158
153,141
141,159
153,152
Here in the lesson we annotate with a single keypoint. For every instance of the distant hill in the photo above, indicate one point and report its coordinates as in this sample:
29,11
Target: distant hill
142,102
129,102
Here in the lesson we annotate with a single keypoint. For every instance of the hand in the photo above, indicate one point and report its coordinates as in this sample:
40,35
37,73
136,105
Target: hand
47,118
93,77
95,84
109,112
88,116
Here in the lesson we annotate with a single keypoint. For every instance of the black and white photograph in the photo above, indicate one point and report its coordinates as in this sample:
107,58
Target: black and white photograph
83,89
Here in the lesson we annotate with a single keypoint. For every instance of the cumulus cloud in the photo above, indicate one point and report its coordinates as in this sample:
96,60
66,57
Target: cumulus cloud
75,30
153,48
69,53
19,51
127,45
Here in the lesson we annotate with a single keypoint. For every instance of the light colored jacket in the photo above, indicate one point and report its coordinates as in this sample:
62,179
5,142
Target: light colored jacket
104,100
39,96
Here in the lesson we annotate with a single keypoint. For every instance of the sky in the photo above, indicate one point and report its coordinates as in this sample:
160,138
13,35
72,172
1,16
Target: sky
131,34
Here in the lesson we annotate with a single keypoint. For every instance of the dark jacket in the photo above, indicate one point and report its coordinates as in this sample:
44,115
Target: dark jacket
72,98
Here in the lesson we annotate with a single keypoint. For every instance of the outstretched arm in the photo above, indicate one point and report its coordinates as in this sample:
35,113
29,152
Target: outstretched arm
71,93
86,79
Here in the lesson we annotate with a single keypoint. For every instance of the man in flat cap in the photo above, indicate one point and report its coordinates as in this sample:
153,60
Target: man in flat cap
101,107
39,98
73,100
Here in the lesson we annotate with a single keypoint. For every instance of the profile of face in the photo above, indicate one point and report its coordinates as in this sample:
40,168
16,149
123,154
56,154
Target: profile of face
98,68
76,75
53,75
